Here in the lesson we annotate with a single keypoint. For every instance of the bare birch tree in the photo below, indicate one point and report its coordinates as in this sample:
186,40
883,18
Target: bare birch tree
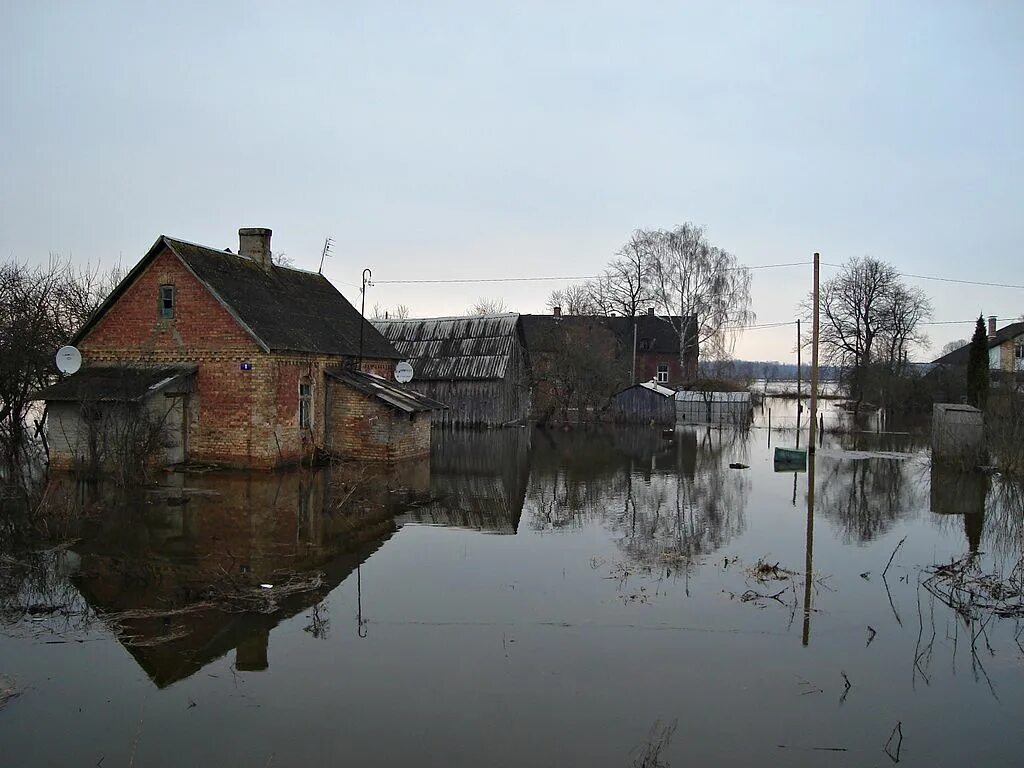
488,306
690,277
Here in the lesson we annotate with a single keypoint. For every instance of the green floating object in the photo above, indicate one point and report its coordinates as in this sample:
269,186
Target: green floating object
790,459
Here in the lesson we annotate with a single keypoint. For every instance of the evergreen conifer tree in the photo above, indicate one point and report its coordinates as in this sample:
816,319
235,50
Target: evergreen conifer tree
977,367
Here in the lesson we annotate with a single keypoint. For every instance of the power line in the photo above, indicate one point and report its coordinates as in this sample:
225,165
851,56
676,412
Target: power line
944,279
552,279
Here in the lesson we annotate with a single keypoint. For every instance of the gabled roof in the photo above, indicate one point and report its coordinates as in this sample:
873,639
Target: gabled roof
388,392
655,334
284,309
962,355
474,347
113,384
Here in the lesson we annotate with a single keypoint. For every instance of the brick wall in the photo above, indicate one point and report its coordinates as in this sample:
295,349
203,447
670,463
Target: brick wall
364,428
235,416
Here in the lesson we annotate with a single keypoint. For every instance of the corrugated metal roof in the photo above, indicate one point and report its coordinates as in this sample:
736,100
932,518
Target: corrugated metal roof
386,391
714,397
476,347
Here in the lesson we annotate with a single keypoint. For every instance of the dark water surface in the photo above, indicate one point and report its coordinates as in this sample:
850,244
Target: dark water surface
525,599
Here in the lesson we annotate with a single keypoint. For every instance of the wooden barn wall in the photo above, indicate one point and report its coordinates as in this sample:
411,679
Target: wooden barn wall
641,406
483,403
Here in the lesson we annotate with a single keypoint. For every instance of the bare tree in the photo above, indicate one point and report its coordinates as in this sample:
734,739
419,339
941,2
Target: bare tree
692,278
397,312
41,308
575,299
626,286
953,346
870,321
488,306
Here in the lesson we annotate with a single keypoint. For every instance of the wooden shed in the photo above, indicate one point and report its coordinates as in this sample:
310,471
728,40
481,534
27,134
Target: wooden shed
475,365
645,403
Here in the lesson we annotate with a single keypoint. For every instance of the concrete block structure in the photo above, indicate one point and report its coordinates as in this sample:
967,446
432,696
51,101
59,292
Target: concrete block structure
958,434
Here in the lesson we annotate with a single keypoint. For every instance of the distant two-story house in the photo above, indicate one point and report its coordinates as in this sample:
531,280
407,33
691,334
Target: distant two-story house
1005,349
239,361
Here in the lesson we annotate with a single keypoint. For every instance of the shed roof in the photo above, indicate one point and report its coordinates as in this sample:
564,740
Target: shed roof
474,347
388,392
284,309
689,396
962,355
113,384
653,387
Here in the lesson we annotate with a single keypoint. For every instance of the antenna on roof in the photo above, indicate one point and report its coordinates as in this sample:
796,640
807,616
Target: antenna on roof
328,242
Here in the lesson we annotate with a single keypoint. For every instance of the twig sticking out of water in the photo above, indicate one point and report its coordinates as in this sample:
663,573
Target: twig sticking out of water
897,731
892,556
649,755
871,635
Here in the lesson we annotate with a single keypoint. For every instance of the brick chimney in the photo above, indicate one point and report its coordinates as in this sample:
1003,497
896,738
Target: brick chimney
254,243
992,326
650,311
556,311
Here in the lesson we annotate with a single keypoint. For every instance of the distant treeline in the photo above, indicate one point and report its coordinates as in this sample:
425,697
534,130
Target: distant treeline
776,371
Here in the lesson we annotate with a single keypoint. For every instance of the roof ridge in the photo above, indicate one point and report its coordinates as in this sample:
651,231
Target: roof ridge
228,252
500,315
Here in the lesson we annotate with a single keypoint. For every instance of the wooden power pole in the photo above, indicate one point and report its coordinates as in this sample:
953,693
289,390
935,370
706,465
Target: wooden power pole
814,361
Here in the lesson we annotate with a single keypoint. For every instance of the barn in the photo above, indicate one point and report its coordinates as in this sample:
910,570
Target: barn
645,403
474,365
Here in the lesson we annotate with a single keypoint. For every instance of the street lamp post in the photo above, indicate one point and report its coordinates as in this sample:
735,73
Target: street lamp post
367,275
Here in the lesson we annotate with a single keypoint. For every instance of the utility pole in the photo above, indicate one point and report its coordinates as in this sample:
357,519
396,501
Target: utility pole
367,274
814,360
799,402
328,242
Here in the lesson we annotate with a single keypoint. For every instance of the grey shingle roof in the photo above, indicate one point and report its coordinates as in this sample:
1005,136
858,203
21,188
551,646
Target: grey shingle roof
962,355
388,392
113,384
474,347
287,310
659,332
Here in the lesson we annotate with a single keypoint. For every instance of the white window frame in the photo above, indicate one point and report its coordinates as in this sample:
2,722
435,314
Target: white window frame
663,373
305,405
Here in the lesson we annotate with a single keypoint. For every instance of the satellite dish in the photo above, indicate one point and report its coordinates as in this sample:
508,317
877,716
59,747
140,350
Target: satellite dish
69,360
403,372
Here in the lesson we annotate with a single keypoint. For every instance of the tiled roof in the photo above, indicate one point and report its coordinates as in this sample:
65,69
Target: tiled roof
287,310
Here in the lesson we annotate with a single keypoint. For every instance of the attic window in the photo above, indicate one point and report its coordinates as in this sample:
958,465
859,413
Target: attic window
645,345
166,301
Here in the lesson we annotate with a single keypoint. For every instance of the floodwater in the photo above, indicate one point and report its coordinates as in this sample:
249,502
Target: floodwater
525,598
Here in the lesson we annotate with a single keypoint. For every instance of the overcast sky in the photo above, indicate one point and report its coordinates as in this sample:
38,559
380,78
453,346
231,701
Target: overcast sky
466,140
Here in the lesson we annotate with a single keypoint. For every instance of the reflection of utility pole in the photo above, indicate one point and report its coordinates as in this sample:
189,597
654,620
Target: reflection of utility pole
799,402
809,550
360,622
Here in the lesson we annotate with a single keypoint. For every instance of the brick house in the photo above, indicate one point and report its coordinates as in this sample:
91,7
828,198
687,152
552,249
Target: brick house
237,361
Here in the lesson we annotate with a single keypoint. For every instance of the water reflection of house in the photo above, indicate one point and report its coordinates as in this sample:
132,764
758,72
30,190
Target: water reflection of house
174,579
477,480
